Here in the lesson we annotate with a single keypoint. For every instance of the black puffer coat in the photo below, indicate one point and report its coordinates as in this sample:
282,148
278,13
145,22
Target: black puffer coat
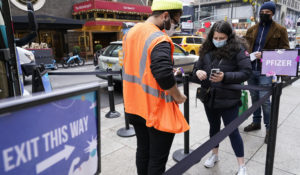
237,69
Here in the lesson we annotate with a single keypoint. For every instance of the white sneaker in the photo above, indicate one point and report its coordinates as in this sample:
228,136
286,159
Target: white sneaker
210,162
242,170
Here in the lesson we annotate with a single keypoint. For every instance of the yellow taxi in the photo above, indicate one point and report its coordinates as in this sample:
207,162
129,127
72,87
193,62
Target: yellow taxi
190,44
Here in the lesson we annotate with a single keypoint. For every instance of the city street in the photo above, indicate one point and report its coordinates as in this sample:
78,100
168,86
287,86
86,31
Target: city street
63,121
65,81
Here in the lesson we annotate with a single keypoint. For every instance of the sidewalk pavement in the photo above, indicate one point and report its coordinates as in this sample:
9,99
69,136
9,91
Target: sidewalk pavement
118,154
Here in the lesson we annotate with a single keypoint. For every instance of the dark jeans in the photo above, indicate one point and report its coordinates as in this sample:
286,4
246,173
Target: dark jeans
228,115
260,80
153,147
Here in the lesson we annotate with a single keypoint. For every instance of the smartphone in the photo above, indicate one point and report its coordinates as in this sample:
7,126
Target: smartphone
214,71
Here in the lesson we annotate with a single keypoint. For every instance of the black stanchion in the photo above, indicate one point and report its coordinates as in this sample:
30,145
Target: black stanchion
127,131
112,113
182,153
277,89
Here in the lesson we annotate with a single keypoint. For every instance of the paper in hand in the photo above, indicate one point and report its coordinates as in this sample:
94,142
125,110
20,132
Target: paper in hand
252,56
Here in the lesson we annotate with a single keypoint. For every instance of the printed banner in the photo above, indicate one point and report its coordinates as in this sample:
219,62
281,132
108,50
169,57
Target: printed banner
281,62
56,138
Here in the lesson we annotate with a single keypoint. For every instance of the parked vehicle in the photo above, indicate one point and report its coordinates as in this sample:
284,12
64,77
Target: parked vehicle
292,38
27,62
191,44
110,59
72,61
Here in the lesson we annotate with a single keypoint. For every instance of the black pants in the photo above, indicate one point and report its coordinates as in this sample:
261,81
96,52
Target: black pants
228,115
153,147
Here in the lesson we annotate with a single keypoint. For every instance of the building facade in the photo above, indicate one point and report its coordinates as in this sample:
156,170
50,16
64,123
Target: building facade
53,23
102,22
240,13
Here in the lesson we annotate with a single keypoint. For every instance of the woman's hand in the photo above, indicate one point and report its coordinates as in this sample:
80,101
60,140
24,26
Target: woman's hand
177,71
258,55
215,78
201,74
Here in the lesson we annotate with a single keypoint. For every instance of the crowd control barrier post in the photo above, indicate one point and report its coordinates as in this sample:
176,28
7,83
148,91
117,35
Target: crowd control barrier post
277,89
112,113
182,153
127,131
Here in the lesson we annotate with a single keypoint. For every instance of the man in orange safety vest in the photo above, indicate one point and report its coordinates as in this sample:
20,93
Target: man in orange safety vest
151,96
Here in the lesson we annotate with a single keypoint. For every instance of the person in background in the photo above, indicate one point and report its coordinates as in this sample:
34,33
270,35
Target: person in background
151,96
226,52
267,34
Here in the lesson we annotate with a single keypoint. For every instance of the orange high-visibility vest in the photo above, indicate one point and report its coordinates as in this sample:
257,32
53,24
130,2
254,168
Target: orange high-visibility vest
142,94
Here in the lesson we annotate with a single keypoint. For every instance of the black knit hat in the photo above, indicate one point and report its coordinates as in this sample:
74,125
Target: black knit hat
270,5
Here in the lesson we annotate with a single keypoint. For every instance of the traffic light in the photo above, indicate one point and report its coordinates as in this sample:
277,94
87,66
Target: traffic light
225,19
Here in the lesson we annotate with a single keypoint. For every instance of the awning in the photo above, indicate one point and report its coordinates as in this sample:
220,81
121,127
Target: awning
104,23
112,6
47,22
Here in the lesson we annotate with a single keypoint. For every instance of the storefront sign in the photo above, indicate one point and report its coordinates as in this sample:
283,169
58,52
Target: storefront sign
58,138
111,6
83,7
128,8
21,4
281,62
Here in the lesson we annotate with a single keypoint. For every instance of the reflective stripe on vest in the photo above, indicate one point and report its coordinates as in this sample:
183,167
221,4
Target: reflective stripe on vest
134,79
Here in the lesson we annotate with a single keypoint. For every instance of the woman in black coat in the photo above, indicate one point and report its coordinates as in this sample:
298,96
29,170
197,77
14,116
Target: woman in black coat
224,51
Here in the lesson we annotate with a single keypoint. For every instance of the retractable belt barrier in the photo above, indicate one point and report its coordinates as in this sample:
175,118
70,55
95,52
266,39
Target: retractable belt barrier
86,73
103,72
195,157
201,151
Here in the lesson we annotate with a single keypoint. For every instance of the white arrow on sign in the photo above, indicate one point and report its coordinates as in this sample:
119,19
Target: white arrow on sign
64,154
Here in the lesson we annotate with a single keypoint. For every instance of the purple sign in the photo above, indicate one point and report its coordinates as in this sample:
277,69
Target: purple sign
280,62
58,138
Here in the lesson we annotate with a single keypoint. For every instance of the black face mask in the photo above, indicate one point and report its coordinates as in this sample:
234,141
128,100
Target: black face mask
265,18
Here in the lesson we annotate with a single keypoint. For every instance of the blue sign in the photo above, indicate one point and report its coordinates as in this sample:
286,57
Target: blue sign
54,138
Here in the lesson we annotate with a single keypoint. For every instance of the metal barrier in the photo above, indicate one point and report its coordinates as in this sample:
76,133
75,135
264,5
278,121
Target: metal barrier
178,155
112,112
127,131
184,156
195,157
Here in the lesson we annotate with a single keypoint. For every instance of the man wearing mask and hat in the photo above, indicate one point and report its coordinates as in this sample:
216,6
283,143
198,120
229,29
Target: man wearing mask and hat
151,96
267,34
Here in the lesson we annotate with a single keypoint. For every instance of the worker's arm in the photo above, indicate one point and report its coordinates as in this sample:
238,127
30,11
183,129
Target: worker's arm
162,70
176,94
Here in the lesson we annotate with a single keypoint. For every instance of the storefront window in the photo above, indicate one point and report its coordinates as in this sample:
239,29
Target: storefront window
128,17
110,15
84,16
46,37
91,15
100,15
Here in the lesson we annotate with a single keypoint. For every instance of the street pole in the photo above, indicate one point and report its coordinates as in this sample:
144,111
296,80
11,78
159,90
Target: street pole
199,11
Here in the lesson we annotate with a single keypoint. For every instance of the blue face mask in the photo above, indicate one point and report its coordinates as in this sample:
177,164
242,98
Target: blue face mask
219,44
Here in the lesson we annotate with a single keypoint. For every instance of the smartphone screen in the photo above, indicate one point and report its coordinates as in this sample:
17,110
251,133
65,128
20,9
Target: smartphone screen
214,71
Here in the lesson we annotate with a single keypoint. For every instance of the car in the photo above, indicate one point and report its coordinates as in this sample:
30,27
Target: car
190,44
27,61
109,59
